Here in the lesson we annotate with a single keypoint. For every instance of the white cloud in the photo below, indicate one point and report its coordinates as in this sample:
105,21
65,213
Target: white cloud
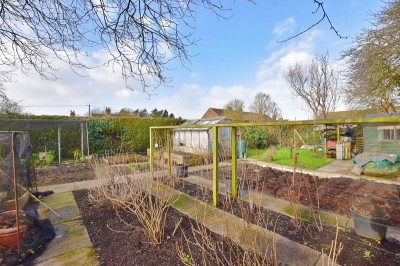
285,27
270,75
125,93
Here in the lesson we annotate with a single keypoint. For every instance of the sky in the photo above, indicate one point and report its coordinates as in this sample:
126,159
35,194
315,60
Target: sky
233,58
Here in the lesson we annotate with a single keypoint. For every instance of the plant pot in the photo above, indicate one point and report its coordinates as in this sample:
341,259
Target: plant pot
371,217
369,227
182,170
8,236
9,205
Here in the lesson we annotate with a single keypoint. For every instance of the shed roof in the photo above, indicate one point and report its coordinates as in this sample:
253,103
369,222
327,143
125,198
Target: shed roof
215,113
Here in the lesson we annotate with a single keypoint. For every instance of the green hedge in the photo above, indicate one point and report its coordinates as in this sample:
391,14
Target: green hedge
127,134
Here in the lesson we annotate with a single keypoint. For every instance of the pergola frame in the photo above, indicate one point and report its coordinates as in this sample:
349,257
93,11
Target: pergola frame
235,126
32,124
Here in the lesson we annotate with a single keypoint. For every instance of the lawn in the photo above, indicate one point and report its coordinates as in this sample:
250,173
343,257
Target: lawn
307,159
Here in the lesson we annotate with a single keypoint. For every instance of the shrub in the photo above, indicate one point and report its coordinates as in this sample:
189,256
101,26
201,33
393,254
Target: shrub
255,137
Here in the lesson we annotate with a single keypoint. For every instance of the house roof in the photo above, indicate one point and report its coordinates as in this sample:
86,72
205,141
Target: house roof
216,113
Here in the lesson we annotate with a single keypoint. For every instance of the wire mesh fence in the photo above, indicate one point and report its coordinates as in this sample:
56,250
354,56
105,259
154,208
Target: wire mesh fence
16,170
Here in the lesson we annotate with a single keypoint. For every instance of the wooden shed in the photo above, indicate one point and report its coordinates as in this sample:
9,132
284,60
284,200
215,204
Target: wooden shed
382,138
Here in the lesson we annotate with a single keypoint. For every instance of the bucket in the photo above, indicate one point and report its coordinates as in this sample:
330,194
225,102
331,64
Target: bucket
182,170
374,228
241,149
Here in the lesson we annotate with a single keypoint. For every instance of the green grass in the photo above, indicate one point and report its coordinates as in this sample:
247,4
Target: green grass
307,159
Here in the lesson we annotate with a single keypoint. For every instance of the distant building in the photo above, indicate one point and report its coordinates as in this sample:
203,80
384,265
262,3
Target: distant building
199,140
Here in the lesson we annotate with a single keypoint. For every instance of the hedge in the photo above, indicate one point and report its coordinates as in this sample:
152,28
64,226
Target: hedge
129,134
126,134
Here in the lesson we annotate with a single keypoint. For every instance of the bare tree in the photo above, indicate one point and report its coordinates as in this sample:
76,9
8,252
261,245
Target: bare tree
235,105
374,63
140,36
8,106
316,84
264,105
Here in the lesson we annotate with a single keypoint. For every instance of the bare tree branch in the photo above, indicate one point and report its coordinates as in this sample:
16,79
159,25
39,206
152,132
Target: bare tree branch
320,6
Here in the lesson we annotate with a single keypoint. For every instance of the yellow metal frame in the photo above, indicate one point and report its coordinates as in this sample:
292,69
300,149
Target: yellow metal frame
215,165
234,126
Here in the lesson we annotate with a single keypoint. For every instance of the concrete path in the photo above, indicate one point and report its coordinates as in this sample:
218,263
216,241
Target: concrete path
71,245
336,169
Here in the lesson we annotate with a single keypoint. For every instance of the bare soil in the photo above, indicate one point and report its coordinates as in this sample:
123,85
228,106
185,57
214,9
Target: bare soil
62,173
117,243
332,194
306,233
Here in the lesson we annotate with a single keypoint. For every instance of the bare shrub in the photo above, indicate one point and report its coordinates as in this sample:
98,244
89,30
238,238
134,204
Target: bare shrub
335,249
140,196
201,247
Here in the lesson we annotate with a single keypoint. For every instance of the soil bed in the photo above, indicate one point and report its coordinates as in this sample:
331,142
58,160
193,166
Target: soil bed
116,243
306,233
334,194
62,173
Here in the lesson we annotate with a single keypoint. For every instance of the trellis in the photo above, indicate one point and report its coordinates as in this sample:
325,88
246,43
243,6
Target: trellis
234,127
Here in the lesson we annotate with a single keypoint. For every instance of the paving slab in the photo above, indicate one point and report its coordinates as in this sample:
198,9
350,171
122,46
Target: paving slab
70,236
71,245
82,256
58,188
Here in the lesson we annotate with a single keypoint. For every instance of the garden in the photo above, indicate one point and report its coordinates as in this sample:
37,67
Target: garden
137,216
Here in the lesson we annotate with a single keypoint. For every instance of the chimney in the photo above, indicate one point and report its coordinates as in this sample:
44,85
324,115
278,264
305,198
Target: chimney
107,112
72,113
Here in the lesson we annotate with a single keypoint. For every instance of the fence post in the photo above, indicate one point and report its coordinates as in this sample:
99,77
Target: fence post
169,152
151,159
215,165
234,162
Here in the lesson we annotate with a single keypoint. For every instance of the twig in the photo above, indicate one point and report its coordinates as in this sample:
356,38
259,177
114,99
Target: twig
320,5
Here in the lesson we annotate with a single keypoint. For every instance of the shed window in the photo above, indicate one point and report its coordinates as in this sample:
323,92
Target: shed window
389,132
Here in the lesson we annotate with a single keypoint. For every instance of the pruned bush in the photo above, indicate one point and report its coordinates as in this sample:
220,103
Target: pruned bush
138,195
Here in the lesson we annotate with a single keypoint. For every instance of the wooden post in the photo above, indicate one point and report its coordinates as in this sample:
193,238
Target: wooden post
215,165
234,162
337,133
15,189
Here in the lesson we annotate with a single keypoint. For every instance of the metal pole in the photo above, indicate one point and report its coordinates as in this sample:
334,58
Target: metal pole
169,152
151,153
59,144
234,162
89,112
15,188
87,138
215,165
82,140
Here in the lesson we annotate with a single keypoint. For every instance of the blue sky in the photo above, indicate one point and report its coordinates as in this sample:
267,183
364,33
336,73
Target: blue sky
233,58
